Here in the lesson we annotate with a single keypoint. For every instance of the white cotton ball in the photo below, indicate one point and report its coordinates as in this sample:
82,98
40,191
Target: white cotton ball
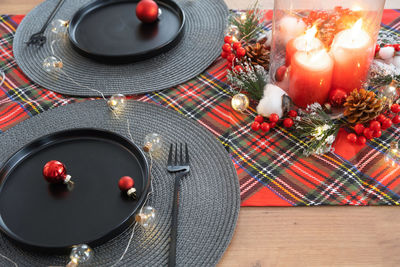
396,62
386,52
271,101
389,60
291,27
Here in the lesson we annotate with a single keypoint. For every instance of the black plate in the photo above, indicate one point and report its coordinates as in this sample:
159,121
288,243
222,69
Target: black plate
42,216
109,31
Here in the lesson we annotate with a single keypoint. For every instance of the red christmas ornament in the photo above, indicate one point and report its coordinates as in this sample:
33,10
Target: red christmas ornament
259,119
288,122
265,127
397,47
396,119
147,11
292,113
274,117
280,73
227,48
255,126
228,39
395,108
126,184
56,172
337,97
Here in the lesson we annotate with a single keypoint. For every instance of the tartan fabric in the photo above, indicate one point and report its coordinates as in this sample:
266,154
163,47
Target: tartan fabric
271,167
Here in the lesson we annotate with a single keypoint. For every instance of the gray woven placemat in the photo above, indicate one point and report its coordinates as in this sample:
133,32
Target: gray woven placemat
199,47
209,199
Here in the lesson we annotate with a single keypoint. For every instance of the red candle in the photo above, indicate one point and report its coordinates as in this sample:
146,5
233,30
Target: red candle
352,51
310,77
306,42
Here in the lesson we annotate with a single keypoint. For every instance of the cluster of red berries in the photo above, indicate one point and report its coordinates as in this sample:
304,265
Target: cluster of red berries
395,46
265,126
231,51
375,127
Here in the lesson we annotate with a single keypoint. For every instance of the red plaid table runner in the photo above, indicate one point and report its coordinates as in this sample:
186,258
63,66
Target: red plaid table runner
271,167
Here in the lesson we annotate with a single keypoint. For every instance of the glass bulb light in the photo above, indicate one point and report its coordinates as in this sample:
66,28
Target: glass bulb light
146,217
152,142
240,102
52,64
117,102
59,26
393,154
80,254
390,92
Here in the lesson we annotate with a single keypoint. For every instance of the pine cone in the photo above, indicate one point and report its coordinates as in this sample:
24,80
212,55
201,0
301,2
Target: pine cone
362,106
258,54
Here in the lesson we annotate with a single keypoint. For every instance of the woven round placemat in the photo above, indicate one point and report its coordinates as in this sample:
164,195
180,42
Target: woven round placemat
199,47
209,196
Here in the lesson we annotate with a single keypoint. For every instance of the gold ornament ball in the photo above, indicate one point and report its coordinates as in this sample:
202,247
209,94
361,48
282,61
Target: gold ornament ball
240,102
117,102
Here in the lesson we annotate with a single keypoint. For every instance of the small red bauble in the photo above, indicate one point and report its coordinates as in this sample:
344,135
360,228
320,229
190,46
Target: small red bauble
147,11
381,118
337,97
361,140
280,73
397,47
375,125
228,39
288,122
396,119
236,45
230,58
238,68
386,124
127,184
292,113
227,48
259,119
240,52
359,128
255,126
224,54
56,172
352,138
274,117
377,133
368,133
395,108
265,127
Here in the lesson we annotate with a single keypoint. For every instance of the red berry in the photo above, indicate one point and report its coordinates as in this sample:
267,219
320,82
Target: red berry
288,122
368,133
230,58
228,39
236,45
377,49
259,119
229,65
240,52
280,73
255,126
381,118
377,133
238,68
359,128
375,126
265,127
224,54
272,124
386,124
227,48
337,97
274,117
397,47
352,137
361,140
292,113
395,108
396,119
125,183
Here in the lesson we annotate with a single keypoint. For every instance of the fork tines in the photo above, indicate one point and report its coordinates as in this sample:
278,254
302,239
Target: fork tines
178,157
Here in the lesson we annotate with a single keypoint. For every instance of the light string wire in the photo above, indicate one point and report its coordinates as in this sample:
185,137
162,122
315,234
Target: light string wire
128,132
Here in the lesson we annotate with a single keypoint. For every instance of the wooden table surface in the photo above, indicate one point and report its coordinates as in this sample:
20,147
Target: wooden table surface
301,236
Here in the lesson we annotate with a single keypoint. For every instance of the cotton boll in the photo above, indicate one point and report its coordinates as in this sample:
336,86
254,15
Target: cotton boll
389,60
396,62
271,101
386,52
291,27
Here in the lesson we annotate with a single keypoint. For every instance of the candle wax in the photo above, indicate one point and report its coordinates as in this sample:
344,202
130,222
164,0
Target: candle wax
302,43
352,52
310,77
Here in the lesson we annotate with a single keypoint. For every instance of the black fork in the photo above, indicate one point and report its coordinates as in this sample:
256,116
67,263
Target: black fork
178,162
38,38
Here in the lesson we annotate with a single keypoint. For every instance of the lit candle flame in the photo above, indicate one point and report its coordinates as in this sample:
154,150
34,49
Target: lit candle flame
357,26
309,35
356,8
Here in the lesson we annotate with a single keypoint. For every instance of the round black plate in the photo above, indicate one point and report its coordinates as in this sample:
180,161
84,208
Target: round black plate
108,30
42,216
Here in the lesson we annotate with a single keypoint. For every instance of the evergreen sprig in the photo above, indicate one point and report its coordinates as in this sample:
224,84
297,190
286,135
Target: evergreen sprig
383,80
249,26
